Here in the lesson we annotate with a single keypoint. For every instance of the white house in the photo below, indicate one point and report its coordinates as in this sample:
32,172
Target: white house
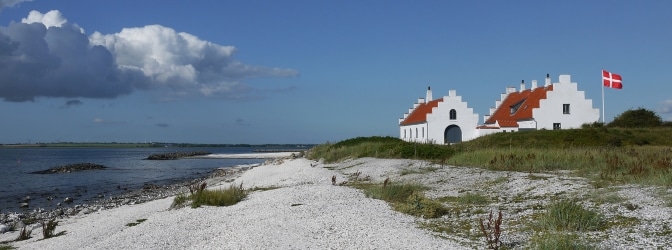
444,120
552,106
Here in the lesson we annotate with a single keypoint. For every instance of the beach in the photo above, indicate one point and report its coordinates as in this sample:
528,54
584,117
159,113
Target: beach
295,206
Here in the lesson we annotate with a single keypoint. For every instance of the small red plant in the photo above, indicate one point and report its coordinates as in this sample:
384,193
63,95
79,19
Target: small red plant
491,231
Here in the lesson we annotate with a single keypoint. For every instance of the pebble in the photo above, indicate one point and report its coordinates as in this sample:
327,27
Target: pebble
129,198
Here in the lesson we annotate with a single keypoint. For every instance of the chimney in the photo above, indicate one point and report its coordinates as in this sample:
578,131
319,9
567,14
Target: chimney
548,80
522,85
534,84
428,98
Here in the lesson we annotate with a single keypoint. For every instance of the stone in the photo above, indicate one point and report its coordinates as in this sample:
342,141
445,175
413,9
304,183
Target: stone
68,200
23,204
4,228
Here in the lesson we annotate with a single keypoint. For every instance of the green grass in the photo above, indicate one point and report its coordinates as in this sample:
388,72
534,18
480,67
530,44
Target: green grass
568,215
406,198
217,197
137,222
420,170
6,247
379,147
558,241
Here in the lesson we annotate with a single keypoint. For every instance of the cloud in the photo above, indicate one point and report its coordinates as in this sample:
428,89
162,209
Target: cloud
241,122
47,56
71,103
10,3
106,122
666,106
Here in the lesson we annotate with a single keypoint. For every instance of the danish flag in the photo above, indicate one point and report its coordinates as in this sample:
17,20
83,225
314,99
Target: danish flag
611,80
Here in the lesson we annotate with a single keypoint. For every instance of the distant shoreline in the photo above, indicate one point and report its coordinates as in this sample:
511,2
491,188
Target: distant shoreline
266,147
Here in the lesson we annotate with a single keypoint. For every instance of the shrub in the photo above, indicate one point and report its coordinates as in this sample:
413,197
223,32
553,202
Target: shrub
637,118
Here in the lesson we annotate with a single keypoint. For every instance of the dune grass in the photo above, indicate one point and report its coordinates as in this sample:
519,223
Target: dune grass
217,197
558,241
407,198
568,215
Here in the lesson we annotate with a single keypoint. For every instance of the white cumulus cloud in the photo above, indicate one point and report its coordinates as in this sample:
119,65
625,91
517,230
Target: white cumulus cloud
45,55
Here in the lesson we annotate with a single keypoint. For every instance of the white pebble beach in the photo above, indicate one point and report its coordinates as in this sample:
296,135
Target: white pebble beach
295,206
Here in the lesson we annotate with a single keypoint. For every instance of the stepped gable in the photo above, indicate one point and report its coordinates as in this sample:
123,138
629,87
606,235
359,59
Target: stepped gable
419,114
523,103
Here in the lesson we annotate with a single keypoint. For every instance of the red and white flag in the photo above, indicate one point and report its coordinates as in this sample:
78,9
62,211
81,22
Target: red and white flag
611,80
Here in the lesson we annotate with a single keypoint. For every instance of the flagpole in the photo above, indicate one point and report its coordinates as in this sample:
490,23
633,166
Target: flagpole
602,84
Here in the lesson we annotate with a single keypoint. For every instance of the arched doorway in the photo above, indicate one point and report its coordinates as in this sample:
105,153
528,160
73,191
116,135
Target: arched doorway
452,134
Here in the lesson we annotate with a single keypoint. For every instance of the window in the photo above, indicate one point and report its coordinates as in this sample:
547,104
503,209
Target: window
404,133
565,109
516,106
556,126
423,132
453,114
416,132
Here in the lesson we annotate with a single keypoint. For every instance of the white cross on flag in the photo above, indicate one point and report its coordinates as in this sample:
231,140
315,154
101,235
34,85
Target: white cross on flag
611,80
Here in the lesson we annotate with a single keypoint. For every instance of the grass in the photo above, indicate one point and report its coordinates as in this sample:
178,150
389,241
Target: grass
407,198
49,227
649,165
558,241
568,215
607,157
379,147
420,170
217,197
6,247
137,222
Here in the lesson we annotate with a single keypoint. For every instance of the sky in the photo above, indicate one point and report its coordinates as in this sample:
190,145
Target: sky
306,72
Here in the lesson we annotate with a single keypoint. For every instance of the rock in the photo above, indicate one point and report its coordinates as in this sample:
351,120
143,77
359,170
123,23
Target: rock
84,211
26,199
176,155
4,228
23,204
57,212
68,200
71,168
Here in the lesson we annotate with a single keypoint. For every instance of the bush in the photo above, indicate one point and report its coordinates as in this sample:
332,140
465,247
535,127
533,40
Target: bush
637,118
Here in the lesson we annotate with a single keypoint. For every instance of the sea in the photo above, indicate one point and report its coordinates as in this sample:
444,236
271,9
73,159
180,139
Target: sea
127,169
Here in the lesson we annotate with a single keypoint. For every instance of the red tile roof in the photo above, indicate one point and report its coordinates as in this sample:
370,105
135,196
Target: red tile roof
419,114
526,101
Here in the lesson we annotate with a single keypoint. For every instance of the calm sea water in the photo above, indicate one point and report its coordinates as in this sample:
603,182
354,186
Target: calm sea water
126,169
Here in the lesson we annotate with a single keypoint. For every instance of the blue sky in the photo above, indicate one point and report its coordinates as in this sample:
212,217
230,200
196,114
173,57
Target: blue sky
305,71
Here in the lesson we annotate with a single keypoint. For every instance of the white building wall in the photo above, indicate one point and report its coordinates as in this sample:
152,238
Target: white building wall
439,119
414,133
550,110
